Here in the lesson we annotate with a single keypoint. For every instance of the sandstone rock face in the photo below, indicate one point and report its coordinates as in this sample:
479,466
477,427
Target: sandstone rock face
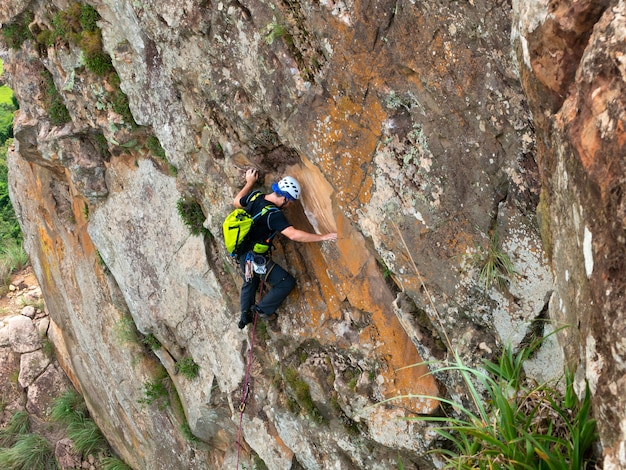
572,65
406,124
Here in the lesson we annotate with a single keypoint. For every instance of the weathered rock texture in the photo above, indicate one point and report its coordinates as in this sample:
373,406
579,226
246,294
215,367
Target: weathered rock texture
409,128
572,64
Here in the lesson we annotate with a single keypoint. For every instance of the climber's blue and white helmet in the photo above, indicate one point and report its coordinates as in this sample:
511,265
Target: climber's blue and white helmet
287,187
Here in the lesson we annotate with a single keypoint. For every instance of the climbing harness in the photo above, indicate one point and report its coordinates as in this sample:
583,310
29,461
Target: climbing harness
246,384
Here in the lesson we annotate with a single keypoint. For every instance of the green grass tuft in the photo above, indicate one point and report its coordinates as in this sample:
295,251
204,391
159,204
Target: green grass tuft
187,367
86,436
16,427
12,259
30,451
520,425
16,33
113,463
68,408
153,144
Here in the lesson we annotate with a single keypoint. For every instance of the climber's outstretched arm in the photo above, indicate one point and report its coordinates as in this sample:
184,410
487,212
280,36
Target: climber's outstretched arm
302,236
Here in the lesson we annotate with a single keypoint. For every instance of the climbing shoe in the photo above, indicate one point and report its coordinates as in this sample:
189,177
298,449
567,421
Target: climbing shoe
246,317
266,317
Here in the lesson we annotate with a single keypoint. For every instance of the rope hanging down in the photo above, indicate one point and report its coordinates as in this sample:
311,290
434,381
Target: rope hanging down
246,384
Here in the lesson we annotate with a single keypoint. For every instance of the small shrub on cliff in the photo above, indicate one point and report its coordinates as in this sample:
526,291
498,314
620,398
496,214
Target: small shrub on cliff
157,390
16,33
57,112
191,213
96,59
151,342
153,144
187,367
88,18
125,331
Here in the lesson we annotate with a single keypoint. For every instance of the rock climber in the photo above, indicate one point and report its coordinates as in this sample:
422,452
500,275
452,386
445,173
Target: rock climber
254,255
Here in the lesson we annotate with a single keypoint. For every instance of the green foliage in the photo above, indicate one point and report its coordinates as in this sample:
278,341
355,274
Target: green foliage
155,148
151,342
496,268
520,426
16,427
119,104
113,463
10,232
68,408
88,18
186,431
86,436
57,112
96,60
16,33
275,31
157,390
187,367
302,394
30,451
191,213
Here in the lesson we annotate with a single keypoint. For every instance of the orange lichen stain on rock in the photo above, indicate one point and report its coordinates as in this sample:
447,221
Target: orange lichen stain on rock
367,291
349,135
80,210
47,248
406,374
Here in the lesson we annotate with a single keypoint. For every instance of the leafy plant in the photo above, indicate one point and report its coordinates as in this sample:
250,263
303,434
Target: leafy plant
96,60
191,213
187,367
12,259
30,451
186,431
520,425
57,112
88,18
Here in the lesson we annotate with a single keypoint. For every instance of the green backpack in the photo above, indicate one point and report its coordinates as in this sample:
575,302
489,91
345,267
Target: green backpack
237,225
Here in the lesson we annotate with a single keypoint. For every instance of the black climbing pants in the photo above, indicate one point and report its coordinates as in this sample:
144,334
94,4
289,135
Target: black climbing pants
278,284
